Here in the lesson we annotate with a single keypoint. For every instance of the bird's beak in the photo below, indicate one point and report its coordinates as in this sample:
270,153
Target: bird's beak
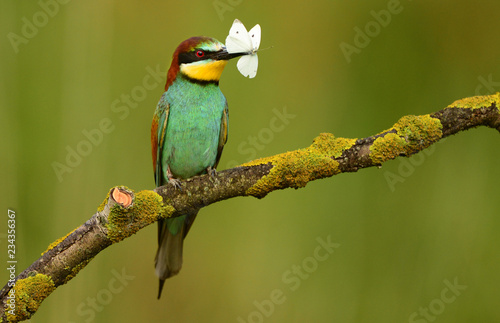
224,55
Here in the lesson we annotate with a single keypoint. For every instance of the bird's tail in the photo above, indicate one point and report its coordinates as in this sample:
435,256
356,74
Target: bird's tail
171,234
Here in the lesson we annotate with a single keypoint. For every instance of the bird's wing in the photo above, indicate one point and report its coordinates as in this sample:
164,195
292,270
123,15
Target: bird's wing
222,134
158,133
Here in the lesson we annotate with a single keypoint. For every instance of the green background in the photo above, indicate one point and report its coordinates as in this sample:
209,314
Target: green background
400,243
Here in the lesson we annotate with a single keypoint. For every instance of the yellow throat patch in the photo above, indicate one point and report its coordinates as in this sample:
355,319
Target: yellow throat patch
203,70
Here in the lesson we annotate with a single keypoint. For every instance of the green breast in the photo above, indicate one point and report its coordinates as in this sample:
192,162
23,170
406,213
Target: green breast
193,127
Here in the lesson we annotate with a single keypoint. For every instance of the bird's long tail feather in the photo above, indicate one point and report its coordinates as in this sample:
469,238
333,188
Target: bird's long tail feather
171,234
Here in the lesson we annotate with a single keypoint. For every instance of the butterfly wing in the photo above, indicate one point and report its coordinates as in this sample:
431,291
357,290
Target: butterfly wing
238,40
254,34
247,65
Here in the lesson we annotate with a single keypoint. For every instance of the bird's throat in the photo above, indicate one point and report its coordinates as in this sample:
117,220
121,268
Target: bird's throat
204,71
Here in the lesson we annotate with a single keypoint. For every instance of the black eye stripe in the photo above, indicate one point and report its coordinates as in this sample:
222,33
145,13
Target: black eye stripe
190,57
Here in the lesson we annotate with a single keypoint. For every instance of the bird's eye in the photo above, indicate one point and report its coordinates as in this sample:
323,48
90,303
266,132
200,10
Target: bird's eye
200,53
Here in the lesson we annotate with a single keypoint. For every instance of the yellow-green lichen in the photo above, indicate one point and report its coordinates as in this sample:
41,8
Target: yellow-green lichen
327,145
29,294
413,133
296,168
477,102
146,209
387,147
58,241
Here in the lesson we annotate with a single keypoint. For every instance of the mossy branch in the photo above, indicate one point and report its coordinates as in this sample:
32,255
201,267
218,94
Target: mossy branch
124,212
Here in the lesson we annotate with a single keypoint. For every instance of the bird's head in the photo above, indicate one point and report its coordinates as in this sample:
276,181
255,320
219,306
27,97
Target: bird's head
201,59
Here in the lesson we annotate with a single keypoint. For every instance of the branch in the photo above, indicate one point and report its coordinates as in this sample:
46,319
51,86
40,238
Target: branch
125,212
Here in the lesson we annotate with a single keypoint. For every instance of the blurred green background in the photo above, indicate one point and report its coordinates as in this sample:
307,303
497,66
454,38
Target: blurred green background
402,243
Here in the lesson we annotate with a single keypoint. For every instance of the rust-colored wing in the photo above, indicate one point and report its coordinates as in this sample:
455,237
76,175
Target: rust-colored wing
158,131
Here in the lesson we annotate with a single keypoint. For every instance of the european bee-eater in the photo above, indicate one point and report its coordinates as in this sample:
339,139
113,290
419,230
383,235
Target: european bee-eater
188,134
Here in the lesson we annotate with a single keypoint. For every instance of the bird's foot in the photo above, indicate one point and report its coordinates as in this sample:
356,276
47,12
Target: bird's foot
175,182
172,180
212,172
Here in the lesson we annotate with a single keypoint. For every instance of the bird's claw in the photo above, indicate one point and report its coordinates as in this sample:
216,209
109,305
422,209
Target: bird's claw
212,172
172,180
175,182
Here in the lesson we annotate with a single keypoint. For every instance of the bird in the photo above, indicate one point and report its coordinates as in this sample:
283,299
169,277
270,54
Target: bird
188,132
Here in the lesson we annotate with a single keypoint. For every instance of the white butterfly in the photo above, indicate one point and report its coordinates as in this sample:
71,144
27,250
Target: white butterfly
241,41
